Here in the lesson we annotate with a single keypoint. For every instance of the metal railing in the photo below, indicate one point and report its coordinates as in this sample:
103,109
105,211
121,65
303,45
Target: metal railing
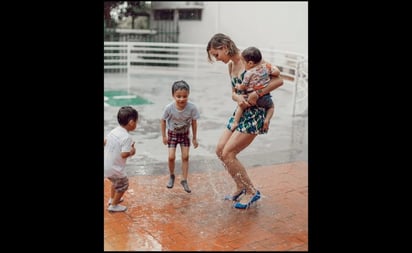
170,58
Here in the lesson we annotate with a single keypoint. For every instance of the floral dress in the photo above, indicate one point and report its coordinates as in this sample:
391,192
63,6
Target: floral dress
252,118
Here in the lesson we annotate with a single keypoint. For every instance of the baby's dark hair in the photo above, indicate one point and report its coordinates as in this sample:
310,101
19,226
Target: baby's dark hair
252,54
125,114
180,85
218,41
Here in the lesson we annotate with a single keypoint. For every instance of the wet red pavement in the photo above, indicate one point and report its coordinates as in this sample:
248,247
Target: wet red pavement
161,219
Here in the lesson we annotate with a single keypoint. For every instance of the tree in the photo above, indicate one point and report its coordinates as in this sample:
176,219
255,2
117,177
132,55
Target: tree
134,9
108,7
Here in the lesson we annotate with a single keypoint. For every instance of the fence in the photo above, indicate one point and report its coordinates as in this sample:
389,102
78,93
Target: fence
169,58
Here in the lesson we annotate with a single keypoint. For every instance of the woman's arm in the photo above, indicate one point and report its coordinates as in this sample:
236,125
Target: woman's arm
240,99
274,71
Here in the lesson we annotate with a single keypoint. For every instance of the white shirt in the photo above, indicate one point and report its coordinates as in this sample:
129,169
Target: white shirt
118,141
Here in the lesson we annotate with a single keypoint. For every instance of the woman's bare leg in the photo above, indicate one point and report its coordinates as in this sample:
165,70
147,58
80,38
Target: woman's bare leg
236,143
222,141
219,149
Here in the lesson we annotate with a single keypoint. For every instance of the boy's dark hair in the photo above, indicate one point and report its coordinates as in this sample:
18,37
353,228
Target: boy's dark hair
252,54
125,114
180,85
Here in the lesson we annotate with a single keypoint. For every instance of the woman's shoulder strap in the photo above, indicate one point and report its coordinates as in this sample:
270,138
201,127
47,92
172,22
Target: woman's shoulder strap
229,66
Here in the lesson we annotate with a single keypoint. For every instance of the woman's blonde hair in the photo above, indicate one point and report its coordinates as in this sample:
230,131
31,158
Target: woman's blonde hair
218,41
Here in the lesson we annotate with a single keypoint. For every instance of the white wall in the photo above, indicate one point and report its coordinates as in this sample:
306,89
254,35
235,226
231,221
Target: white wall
273,25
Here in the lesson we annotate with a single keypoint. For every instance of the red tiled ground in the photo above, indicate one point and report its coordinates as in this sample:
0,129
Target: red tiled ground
161,219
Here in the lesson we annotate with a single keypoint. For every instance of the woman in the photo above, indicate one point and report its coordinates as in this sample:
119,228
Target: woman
222,48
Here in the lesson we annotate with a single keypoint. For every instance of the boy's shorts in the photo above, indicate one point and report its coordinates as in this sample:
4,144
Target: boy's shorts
121,184
174,138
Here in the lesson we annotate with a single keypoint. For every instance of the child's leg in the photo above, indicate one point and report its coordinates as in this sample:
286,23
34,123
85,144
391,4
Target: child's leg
236,118
185,161
171,163
269,114
114,206
119,186
171,160
185,166
117,197
112,191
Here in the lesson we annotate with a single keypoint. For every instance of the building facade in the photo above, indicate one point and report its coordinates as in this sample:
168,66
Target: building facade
271,25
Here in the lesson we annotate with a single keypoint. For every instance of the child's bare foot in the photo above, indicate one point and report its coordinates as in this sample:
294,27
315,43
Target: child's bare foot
234,126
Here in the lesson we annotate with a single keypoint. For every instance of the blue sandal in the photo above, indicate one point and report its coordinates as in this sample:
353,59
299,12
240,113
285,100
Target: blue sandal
251,201
235,197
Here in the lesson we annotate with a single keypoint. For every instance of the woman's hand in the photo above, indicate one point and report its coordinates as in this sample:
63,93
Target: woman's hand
241,102
252,98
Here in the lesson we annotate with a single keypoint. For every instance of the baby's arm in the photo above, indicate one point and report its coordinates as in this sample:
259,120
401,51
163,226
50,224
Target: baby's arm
272,69
240,86
245,81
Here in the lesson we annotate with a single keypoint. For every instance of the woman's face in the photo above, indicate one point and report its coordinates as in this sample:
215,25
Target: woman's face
220,54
